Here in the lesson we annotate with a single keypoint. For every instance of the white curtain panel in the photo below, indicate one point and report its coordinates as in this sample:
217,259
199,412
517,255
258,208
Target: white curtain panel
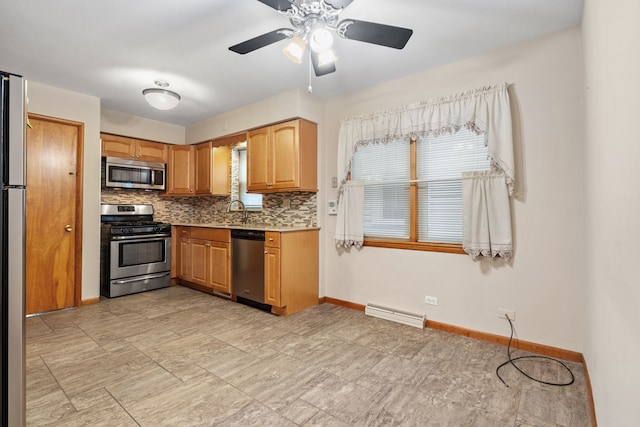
482,110
486,215
350,221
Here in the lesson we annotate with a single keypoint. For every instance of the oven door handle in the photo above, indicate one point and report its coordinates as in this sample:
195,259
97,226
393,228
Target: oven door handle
140,238
139,278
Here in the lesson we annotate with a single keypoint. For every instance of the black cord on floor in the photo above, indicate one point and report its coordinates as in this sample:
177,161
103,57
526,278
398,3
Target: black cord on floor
511,360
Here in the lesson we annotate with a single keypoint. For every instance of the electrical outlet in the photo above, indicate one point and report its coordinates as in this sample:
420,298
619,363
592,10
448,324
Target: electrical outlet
430,300
334,182
503,313
286,203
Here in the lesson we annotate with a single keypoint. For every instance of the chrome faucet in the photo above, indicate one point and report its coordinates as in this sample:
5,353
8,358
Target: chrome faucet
245,214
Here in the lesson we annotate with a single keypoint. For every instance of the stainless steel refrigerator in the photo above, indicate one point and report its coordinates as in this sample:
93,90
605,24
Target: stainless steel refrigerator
12,255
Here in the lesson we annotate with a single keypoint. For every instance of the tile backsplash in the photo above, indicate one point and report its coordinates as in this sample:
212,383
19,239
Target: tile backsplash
207,209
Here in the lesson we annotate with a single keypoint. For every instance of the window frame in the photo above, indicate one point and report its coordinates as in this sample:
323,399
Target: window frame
413,243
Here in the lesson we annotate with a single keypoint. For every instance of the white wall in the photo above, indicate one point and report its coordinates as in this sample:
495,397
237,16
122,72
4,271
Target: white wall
294,103
544,285
59,103
139,127
612,204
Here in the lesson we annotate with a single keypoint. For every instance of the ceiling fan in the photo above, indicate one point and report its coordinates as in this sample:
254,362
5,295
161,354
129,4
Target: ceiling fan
313,22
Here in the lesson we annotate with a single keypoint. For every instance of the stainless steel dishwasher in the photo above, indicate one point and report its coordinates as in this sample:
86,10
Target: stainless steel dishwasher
247,270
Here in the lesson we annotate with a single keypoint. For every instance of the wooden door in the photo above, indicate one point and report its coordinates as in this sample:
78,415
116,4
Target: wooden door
285,158
219,266
203,168
220,171
199,261
258,175
272,276
181,169
117,146
184,269
151,151
53,194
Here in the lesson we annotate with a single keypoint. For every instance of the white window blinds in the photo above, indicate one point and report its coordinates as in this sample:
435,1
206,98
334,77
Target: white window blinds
251,201
387,207
443,159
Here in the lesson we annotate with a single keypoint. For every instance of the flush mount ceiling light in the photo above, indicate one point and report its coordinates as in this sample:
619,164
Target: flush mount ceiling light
313,23
160,97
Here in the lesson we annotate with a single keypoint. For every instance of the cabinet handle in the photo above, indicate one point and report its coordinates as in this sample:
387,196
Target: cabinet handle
266,253
271,239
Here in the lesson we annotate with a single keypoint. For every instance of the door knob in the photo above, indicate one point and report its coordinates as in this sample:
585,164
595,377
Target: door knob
69,228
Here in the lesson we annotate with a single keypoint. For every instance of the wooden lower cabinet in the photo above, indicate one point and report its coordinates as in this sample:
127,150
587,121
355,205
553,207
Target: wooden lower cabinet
291,270
291,265
205,258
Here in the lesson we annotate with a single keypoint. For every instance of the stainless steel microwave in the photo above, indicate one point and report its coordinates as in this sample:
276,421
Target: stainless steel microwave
127,173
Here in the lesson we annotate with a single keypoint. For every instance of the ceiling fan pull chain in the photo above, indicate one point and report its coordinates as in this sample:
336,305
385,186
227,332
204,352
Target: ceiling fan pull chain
309,89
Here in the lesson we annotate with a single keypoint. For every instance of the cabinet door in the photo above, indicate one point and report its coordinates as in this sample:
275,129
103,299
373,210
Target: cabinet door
220,168
180,170
258,174
272,276
219,266
285,159
151,151
117,146
199,250
184,269
203,168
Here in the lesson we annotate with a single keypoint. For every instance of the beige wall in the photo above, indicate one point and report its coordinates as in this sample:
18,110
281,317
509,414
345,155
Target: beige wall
139,127
53,102
612,206
544,284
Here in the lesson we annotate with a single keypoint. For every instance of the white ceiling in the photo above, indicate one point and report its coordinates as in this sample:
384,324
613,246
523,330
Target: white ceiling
116,48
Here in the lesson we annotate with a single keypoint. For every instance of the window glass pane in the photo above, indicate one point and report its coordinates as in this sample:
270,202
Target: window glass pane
387,206
440,202
251,201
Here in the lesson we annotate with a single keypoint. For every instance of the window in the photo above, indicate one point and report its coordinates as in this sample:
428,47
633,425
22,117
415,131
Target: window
426,212
239,176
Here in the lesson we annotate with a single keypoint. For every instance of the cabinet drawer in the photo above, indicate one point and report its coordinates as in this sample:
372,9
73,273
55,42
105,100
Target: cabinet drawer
184,232
272,239
215,234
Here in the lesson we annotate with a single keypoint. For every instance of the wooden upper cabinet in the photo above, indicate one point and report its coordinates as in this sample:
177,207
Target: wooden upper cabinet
282,157
181,170
212,169
151,151
131,148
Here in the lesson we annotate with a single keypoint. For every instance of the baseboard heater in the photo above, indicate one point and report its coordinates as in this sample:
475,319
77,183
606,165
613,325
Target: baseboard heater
406,318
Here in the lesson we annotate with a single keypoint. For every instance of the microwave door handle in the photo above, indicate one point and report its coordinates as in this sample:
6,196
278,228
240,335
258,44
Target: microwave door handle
153,177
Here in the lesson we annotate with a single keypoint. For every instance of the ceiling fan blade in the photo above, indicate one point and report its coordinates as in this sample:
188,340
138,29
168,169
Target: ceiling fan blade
261,41
280,5
370,32
338,4
321,70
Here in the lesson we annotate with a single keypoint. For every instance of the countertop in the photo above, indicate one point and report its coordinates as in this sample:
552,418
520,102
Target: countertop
260,227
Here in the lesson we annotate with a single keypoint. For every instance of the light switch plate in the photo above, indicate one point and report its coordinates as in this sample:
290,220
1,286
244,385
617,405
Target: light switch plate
332,207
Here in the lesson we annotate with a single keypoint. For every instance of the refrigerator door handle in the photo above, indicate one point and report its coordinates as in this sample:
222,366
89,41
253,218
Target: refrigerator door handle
17,129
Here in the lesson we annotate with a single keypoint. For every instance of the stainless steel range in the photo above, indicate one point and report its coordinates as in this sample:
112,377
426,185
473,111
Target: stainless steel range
135,251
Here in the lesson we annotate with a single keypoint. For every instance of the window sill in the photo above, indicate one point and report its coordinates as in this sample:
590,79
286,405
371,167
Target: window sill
416,246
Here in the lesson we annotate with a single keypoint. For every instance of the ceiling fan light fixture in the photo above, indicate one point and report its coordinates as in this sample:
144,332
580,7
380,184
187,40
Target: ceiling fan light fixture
161,99
295,50
320,40
326,57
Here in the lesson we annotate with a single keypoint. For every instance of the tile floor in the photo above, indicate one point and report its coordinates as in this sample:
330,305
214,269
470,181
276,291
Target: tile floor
178,357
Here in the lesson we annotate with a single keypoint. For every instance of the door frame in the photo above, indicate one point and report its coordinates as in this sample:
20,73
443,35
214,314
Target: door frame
77,283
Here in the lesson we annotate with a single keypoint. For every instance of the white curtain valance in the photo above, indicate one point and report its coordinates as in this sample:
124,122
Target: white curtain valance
486,110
